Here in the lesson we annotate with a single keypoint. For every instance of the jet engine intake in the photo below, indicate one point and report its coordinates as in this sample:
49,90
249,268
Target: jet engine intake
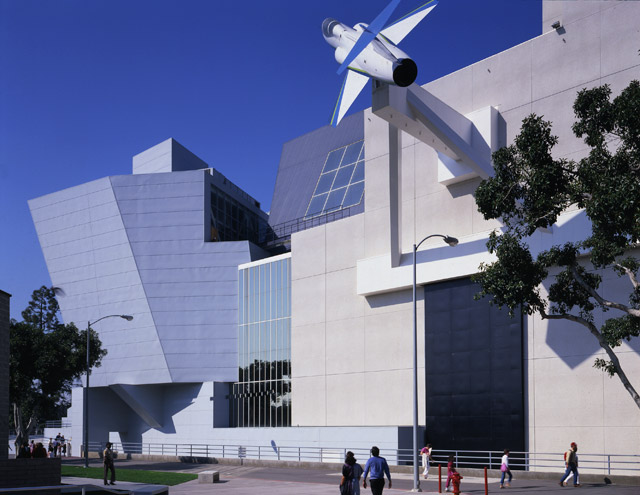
405,72
327,27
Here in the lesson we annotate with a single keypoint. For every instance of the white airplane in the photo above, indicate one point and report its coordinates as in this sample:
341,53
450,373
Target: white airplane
369,50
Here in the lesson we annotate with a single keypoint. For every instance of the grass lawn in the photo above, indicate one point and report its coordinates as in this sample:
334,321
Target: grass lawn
134,475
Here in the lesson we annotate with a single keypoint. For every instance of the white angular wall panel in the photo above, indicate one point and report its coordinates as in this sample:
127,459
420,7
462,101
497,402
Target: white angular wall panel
134,245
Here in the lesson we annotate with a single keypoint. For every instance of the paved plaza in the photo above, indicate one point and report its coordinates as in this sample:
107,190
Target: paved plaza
246,480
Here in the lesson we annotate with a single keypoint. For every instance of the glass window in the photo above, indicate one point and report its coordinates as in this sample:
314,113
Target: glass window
317,205
354,194
352,153
358,174
335,199
324,184
343,177
341,169
333,160
261,397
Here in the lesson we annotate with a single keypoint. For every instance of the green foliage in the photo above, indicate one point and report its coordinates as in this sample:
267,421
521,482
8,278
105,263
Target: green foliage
529,191
46,358
513,282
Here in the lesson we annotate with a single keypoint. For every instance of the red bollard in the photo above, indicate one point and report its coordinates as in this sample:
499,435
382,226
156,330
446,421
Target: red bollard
439,478
455,480
486,483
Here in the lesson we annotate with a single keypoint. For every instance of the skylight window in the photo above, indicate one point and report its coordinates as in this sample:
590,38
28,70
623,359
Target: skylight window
341,183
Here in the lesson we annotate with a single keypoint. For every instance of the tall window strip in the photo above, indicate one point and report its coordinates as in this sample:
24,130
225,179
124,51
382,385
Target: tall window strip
262,395
341,183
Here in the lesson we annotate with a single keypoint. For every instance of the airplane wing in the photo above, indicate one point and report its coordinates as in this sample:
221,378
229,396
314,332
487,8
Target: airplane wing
369,34
353,84
396,31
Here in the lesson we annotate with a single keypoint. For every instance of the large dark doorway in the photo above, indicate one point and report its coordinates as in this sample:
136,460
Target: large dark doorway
474,371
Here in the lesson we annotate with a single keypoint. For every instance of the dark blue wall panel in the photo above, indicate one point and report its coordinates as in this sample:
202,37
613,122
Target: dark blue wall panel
474,371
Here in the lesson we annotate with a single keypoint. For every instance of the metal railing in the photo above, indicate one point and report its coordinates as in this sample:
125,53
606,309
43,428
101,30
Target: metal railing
282,232
57,423
526,461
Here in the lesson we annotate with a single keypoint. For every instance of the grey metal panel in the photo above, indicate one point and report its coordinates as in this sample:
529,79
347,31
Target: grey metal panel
192,232
160,191
167,289
189,283
204,274
98,282
301,163
135,245
192,302
158,205
196,317
215,331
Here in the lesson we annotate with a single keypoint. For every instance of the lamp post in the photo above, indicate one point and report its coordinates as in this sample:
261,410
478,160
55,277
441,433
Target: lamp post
85,412
452,241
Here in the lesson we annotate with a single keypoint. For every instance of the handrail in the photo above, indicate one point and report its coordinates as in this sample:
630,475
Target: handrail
526,461
283,231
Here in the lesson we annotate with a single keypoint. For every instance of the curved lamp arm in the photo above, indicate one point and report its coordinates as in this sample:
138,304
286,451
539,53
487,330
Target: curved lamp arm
126,317
452,241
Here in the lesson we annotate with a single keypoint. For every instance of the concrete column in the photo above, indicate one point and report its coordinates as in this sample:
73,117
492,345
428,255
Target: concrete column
395,193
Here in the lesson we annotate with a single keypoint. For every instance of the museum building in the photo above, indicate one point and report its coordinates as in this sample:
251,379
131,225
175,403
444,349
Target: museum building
294,328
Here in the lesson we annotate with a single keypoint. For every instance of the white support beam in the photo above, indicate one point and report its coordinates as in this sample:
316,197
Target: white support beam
419,113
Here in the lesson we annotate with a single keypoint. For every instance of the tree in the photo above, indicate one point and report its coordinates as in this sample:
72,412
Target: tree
46,357
531,188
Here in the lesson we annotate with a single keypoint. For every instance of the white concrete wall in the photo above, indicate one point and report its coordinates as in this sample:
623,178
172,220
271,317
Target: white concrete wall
352,354
188,417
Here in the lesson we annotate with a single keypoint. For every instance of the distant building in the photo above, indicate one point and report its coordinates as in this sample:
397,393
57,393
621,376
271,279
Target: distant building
5,300
296,329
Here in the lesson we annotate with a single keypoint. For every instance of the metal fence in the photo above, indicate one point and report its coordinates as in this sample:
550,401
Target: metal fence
526,461
282,232
57,423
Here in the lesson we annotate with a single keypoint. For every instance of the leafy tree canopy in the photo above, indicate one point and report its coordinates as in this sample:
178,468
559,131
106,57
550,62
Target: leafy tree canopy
46,358
531,189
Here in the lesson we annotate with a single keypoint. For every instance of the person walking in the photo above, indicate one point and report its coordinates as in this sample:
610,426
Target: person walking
356,470
426,457
450,471
107,460
504,467
346,483
571,462
379,468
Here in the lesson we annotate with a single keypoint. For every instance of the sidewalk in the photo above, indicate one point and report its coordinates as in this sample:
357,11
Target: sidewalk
253,480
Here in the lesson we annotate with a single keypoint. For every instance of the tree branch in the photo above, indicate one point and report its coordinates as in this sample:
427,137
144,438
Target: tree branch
632,276
612,355
601,300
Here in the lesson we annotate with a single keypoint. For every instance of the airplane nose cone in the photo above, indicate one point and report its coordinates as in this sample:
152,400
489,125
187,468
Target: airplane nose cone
405,73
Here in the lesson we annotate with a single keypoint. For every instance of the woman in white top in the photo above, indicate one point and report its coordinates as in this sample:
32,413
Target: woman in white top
426,457
504,467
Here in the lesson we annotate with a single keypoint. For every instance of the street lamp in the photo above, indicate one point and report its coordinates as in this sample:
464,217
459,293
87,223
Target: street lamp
85,413
452,241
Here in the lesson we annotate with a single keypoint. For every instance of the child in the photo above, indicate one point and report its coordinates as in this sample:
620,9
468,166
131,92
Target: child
450,471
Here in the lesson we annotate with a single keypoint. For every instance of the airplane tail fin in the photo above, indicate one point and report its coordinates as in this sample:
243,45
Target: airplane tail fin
352,85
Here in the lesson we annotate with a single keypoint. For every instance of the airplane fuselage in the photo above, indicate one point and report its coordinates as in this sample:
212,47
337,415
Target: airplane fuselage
381,59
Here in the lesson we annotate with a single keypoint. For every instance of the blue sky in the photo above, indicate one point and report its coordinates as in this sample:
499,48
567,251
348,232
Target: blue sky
85,85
